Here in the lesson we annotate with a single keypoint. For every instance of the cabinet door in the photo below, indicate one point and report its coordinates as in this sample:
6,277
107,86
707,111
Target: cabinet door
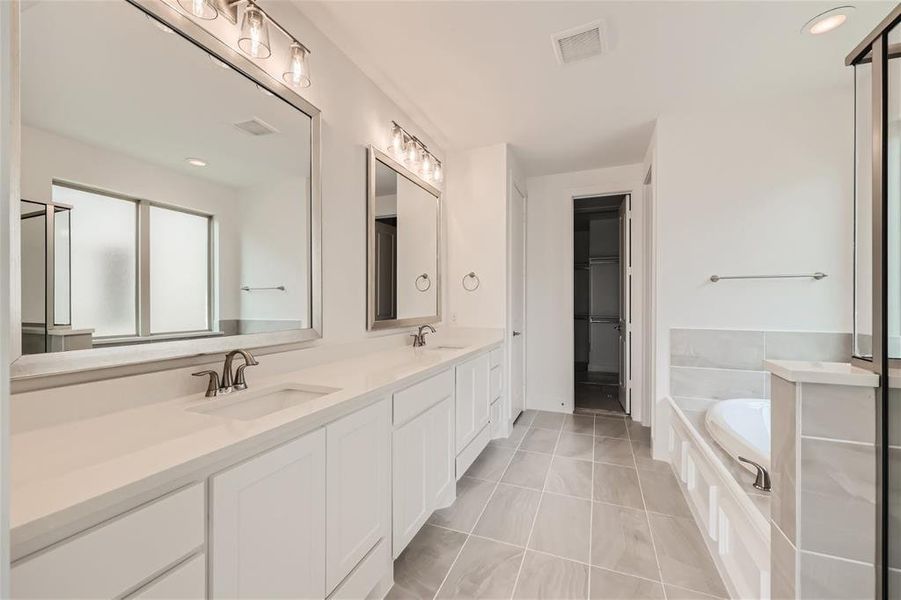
357,488
472,399
410,467
267,532
441,477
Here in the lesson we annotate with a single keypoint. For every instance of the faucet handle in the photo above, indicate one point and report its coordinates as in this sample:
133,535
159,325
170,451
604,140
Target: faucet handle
212,388
240,381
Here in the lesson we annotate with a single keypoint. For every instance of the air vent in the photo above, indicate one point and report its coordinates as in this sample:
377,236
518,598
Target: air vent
580,43
256,127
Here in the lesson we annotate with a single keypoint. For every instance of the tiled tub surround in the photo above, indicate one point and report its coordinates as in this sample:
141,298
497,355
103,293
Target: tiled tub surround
569,506
824,482
718,364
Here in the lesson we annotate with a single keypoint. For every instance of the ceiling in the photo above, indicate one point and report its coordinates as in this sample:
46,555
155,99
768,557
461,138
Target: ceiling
478,73
104,74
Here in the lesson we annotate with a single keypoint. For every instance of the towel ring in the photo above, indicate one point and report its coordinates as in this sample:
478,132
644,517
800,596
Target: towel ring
471,276
428,282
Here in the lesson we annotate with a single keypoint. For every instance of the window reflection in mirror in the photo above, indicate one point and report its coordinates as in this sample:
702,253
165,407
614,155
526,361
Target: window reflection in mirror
177,190
404,247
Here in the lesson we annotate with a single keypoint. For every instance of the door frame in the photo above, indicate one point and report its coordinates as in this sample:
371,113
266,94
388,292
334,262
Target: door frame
634,315
515,187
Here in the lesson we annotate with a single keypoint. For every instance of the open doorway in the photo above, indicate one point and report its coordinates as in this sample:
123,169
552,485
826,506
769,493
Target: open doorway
601,285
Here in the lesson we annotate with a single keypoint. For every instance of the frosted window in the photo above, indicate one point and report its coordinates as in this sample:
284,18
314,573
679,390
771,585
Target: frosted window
61,256
179,271
103,232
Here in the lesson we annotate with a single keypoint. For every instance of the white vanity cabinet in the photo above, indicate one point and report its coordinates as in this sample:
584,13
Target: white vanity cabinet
423,455
357,489
267,529
472,398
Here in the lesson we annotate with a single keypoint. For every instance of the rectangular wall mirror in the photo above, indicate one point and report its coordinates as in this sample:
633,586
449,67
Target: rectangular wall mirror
404,286
169,192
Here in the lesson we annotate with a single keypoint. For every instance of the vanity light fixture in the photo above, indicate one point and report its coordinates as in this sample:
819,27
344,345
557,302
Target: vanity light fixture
196,162
253,38
828,21
408,148
297,73
202,9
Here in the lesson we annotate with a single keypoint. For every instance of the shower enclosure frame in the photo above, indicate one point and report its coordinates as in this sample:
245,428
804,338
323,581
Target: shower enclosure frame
50,210
874,49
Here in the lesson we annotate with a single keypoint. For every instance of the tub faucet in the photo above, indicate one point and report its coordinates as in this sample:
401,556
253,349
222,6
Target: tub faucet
762,481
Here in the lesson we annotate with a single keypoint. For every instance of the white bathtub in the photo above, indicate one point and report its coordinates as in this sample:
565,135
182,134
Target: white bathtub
742,428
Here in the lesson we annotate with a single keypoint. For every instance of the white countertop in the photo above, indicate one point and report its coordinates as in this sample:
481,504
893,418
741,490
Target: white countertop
74,474
833,373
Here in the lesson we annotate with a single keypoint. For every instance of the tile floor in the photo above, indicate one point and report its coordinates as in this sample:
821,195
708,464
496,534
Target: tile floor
569,506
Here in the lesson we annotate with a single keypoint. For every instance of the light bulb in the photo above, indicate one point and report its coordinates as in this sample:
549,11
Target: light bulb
254,40
397,140
297,73
412,154
427,165
437,173
202,9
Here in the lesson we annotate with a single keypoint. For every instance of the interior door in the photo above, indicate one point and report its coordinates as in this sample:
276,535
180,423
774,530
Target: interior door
625,261
517,308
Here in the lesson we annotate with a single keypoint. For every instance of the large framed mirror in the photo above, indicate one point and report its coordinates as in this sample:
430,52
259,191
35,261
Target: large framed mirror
170,201
404,242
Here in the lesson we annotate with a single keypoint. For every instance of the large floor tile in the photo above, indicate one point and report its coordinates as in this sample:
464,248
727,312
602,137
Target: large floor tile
574,445
621,541
613,451
528,469
562,527
583,424
421,567
515,437
491,463
551,578
509,515
644,459
484,569
617,485
676,593
614,427
472,496
662,493
570,477
607,585
526,417
548,420
540,440
684,559
638,432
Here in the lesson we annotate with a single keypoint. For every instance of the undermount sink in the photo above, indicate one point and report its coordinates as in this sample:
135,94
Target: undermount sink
250,405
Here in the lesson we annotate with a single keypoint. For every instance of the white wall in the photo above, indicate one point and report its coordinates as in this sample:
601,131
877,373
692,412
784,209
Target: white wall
417,250
355,113
476,212
754,189
549,283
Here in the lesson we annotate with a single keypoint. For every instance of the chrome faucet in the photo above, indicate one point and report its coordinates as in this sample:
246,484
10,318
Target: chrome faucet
229,382
419,337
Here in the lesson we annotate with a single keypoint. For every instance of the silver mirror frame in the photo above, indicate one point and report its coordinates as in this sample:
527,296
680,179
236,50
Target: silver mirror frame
376,155
148,357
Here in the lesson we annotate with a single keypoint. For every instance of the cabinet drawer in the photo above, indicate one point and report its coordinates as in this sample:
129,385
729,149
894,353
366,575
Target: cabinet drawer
417,398
496,357
187,581
365,575
114,557
496,382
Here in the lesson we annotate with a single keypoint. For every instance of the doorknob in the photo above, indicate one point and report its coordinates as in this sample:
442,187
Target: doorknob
516,333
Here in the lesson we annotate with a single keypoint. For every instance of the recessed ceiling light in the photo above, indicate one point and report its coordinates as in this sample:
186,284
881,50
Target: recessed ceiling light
218,62
195,162
159,25
827,21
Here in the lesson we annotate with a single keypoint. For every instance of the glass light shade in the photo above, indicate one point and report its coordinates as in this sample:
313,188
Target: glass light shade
297,73
202,9
411,154
396,145
438,173
254,39
428,164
